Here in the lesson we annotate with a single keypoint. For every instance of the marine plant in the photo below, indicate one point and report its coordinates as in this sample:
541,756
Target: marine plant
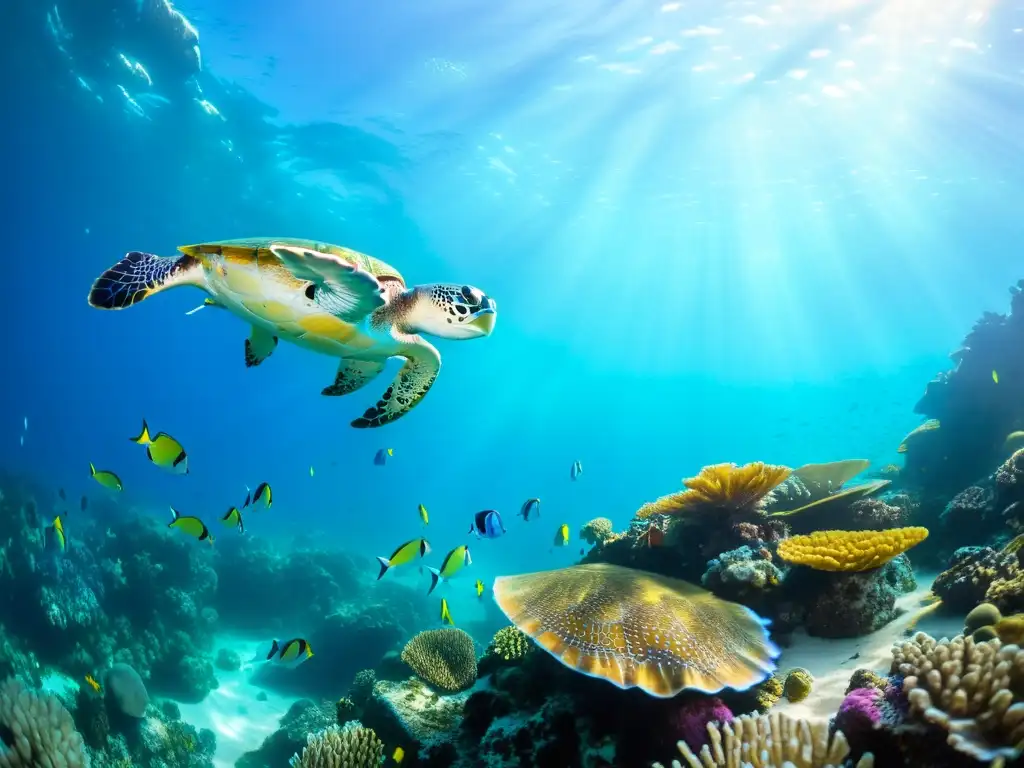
444,658
349,746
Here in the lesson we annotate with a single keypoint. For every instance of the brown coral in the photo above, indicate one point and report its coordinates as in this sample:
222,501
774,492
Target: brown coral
850,551
341,747
973,571
725,487
597,530
1011,472
968,689
38,731
444,658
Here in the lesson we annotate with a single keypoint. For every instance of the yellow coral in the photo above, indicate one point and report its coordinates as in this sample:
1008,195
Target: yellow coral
865,678
768,693
1010,629
851,551
798,684
445,658
597,530
721,486
510,643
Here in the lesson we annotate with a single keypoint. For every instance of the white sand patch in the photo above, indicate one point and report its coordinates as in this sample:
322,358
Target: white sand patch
830,660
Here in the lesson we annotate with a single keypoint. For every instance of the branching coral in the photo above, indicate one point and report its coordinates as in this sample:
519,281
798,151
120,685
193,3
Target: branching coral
444,658
597,530
724,487
38,731
510,643
969,689
351,746
850,551
771,741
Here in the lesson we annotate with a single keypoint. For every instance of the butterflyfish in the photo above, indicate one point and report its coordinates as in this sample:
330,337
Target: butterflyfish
92,683
288,654
454,562
405,553
479,588
530,507
382,456
163,450
423,514
576,471
58,533
562,535
105,478
193,526
487,524
233,518
995,377
446,616
262,495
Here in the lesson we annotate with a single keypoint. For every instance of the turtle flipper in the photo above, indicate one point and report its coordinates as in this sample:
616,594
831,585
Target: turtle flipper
345,290
353,375
258,346
414,380
139,275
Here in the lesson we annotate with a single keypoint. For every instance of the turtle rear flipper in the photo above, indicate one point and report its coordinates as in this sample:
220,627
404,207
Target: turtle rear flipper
414,380
139,275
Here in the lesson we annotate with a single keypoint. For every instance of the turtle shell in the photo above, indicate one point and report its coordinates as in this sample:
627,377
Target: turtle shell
259,247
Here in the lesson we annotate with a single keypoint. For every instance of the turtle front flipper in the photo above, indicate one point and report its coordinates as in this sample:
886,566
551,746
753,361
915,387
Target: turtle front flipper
353,375
414,380
139,275
258,346
345,290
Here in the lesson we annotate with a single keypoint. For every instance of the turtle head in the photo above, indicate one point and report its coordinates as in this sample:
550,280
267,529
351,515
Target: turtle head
450,311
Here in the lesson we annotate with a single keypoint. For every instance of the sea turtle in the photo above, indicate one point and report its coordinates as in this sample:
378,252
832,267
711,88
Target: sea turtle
323,297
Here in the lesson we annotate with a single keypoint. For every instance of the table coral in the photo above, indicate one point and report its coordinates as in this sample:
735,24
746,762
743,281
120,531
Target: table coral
850,551
444,658
721,487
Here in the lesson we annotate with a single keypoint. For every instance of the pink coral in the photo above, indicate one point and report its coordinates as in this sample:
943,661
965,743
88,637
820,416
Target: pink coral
692,718
860,711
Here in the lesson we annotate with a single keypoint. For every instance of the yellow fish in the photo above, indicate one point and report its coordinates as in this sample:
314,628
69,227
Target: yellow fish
405,553
398,755
995,377
92,683
562,535
234,519
193,526
294,652
163,450
423,515
446,617
479,588
262,494
453,562
105,478
58,531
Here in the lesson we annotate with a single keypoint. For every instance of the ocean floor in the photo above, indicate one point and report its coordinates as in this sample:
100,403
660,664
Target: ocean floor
232,711
832,662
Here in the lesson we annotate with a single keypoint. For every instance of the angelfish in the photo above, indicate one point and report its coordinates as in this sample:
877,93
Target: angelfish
530,506
105,478
233,518
454,562
289,654
446,617
382,456
163,450
405,553
487,524
576,471
562,536
262,495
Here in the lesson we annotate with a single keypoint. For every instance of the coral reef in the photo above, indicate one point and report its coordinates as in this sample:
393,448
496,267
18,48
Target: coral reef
37,731
597,531
739,571
510,644
721,488
850,551
444,658
303,718
351,746
971,575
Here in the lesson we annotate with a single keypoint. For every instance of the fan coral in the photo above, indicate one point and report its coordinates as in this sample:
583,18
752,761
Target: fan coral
510,643
771,741
351,746
964,687
972,571
597,530
444,658
798,684
850,550
721,487
37,730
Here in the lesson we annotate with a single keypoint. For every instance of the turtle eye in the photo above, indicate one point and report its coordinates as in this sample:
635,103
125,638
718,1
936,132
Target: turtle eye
468,293
311,291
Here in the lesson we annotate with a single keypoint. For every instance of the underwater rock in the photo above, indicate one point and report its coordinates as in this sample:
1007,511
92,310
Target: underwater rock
227,660
190,679
410,713
735,574
971,572
362,686
875,515
126,690
548,737
302,718
855,604
971,516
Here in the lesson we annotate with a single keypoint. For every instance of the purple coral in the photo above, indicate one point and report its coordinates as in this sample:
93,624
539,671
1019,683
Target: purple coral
691,720
859,713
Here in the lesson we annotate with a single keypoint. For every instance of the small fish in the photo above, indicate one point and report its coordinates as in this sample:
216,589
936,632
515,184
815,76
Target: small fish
446,617
530,506
654,536
22,441
576,471
398,755
25,422
193,526
995,377
453,562
63,496
405,553
163,450
85,502
311,473
262,495
581,552
92,683
233,518
289,654
479,588
487,524
58,532
382,456
105,478
562,535
423,514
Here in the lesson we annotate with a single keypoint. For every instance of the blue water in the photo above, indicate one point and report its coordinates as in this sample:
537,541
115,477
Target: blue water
714,233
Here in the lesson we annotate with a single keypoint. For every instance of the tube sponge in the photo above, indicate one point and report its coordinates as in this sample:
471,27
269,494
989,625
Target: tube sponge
444,658
37,731
351,746
850,551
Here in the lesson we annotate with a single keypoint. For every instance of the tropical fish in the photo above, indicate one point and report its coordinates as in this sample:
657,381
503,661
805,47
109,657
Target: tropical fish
479,588
654,536
405,553
262,494
63,496
398,755
58,532
454,562
581,552
233,518
530,506
382,456
105,478
487,524
311,473
163,450
562,535
995,377
576,471
446,617
289,654
92,683
25,422
193,526
423,514
84,502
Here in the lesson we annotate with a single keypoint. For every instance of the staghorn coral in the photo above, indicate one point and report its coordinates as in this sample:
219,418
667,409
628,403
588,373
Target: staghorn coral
969,689
38,731
444,658
798,684
351,746
850,551
510,643
721,487
597,530
770,741
971,572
